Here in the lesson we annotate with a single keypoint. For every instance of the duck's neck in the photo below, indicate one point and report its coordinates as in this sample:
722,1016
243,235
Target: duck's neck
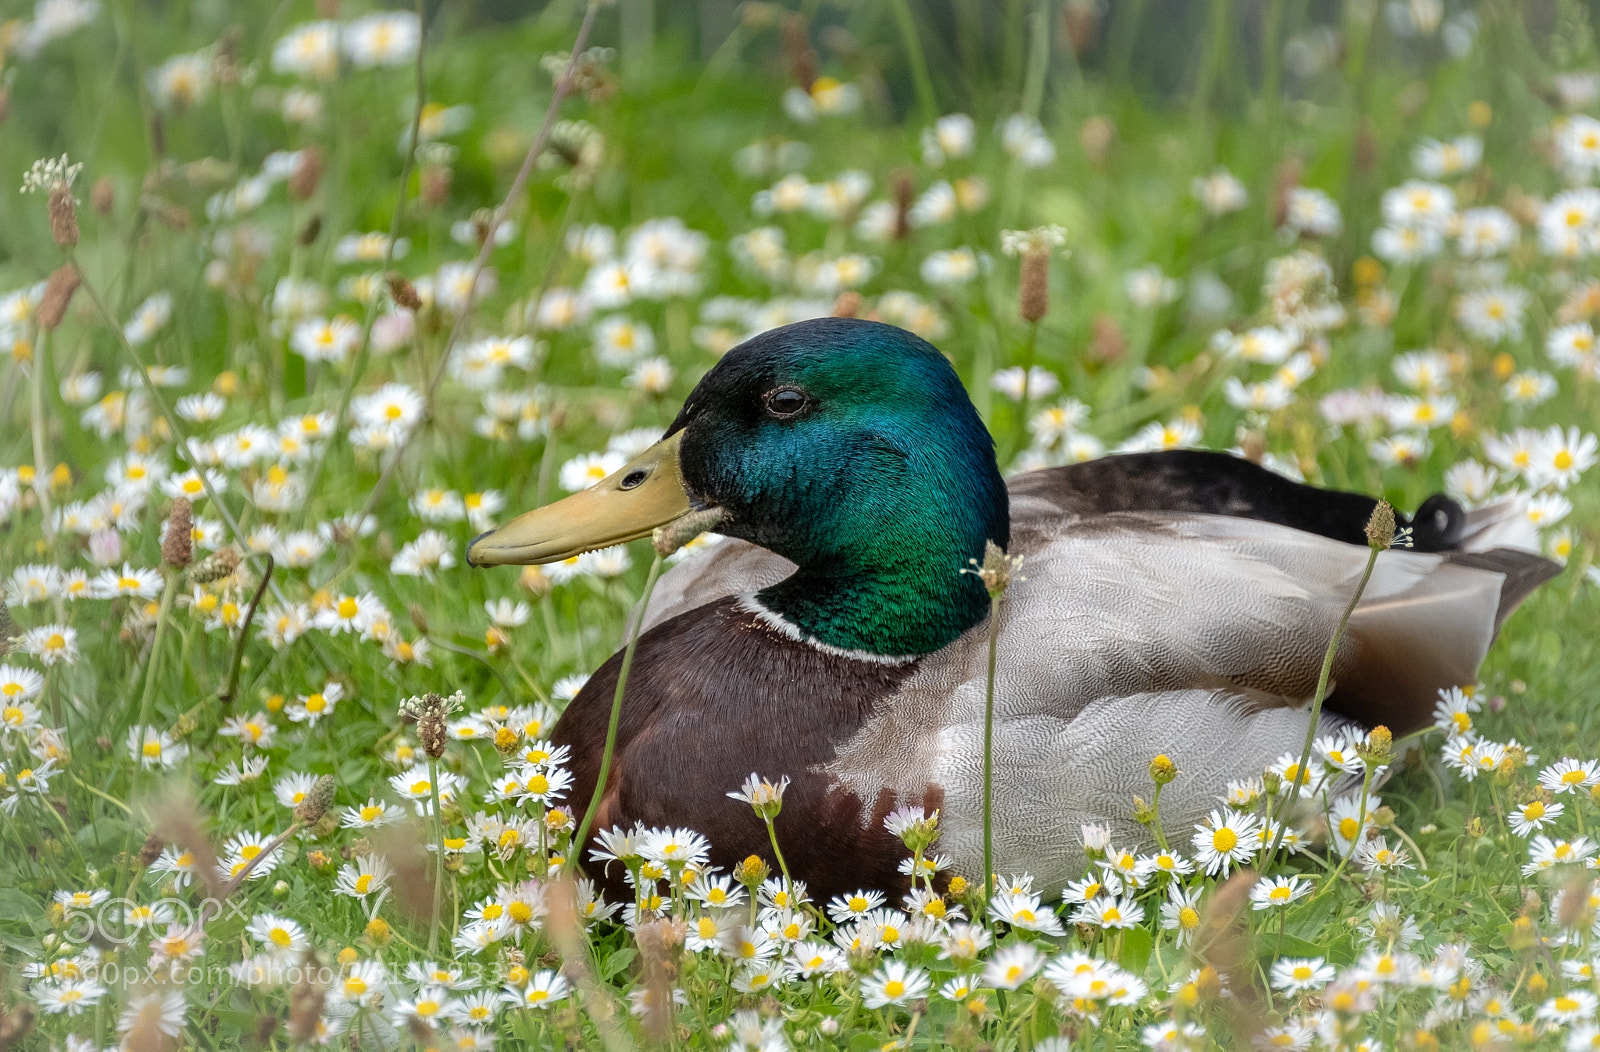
895,592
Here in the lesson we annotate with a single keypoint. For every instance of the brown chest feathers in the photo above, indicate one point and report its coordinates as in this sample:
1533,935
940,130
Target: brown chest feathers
714,695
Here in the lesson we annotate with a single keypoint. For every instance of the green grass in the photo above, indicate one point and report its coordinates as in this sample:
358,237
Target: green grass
1128,146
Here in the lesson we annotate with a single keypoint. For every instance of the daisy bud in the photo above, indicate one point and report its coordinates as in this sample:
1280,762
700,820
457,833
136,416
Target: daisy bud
57,296
1380,528
752,871
1538,985
685,528
403,292
307,174
1377,750
1143,813
377,932
848,305
63,216
318,860
348,956
1163,770
177,547
317,802
103,195
1208,984
1423,1041
1523,935
1383,817
506,740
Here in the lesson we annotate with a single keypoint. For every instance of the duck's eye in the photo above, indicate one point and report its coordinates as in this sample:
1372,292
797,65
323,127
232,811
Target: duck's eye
634,478
785,402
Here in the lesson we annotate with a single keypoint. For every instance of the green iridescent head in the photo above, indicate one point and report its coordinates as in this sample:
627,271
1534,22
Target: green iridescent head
849,447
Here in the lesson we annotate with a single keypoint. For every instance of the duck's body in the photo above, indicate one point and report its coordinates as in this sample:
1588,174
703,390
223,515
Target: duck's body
1176,603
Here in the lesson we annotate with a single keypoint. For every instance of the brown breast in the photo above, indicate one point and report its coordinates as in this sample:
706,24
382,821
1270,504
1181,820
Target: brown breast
714,695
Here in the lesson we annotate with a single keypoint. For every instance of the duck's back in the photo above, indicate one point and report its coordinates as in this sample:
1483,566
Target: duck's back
1176,603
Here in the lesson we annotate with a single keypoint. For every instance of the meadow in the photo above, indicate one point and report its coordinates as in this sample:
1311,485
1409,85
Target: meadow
297,299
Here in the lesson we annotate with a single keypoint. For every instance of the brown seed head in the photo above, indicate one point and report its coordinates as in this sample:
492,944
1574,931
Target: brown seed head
8,630
63,216
311,231
1381,526
215,567
403,292
307,174
1033,289
905,191
149,851
685,528
305,1007
177,547
317,802
17,1022
103,195
997,570
435,185
57,296
848,304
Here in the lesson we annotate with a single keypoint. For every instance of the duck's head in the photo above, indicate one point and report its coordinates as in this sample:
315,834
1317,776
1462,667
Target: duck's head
849,447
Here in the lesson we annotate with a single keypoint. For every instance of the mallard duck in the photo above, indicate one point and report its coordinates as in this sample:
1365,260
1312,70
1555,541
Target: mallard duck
1175,602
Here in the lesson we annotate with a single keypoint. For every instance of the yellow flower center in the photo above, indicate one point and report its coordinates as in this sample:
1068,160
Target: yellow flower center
894,988
1224,839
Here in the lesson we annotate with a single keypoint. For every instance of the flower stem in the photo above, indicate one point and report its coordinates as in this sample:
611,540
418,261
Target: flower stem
162,617
581,837
41,459
1316,703
772,834
438,855
988,750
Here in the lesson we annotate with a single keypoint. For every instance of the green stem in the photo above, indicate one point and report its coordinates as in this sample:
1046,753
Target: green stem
41,459
580,838
919,64
1155,819
988,750
148,699
244,633
438,854
1317,700
772,834
1361,825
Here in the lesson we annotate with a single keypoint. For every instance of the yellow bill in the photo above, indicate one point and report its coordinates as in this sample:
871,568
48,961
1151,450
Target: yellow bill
627,504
